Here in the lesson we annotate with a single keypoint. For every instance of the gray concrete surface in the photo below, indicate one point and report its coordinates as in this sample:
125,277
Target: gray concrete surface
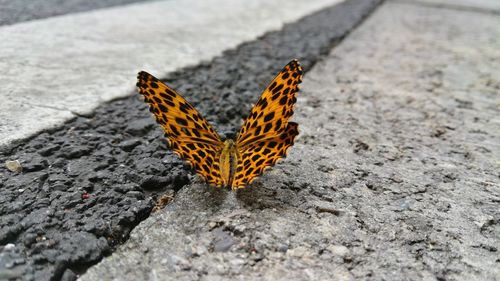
57,68
394,175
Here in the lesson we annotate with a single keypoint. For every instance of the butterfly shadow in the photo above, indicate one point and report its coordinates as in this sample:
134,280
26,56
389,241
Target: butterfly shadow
263,196
257,196
207,197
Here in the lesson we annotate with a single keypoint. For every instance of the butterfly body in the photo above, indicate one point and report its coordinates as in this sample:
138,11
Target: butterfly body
263,139
229,158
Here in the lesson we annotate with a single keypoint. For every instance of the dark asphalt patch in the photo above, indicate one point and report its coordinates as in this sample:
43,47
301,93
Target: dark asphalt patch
85,186
24,10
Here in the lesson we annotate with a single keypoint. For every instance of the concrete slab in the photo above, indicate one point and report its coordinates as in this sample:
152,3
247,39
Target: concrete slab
394,176
74,62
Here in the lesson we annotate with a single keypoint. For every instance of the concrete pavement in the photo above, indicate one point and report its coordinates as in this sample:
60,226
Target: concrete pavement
394,175
54,69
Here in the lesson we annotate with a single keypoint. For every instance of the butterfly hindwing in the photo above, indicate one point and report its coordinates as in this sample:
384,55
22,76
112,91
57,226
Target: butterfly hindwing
257,156
202,157
190,135
269,116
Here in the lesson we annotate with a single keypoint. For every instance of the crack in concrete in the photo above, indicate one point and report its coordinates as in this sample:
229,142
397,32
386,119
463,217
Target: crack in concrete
46,106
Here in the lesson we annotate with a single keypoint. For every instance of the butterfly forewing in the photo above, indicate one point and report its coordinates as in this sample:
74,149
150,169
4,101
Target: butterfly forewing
189,134
269,116
266,134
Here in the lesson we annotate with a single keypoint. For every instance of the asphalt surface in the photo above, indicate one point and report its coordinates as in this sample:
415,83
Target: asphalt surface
86,185
24,10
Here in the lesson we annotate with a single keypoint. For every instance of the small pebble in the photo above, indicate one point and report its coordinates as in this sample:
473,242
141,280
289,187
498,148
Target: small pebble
14,166
339,250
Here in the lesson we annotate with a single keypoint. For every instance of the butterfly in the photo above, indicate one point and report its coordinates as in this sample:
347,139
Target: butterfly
264,137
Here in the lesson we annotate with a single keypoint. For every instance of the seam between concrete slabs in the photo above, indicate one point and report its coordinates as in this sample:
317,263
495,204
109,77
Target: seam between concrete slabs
78,61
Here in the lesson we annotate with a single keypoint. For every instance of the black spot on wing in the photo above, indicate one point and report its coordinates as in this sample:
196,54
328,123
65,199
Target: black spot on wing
181,121
269,117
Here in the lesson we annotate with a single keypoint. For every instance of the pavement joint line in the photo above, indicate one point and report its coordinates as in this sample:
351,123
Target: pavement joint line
445,6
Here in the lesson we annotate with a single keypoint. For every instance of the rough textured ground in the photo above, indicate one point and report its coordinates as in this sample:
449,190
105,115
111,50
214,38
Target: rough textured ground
394,176
86,185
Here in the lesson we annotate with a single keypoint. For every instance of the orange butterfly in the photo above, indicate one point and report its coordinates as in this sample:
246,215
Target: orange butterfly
263,138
